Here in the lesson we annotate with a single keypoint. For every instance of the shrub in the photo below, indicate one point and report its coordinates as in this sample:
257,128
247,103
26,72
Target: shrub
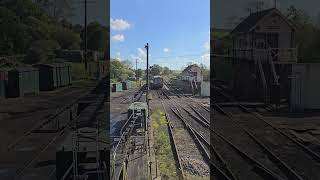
41,51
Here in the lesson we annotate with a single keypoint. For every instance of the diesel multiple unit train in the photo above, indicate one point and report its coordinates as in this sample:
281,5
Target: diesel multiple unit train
157,82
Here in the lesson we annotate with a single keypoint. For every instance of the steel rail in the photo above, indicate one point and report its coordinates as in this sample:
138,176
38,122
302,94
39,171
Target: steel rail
200,104
69,124
283,166
228,174
47,120
193,132
309,151
266,172
173,141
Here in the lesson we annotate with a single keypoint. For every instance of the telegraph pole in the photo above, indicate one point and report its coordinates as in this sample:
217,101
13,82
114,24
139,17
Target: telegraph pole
85,35
147,48
137,72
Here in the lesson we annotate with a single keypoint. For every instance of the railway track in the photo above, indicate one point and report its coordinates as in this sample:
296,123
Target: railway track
272,149
188,120
121,147
172,138
51,139
133,96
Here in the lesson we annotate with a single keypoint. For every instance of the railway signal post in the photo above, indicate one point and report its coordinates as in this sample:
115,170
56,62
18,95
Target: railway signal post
147,95
85,36
137,72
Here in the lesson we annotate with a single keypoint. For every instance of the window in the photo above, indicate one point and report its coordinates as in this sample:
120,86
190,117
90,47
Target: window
243,43
260,44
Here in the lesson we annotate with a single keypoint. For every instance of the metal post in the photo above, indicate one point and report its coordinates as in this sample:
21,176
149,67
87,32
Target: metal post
137,72
157,168
147,47
85,35
150,169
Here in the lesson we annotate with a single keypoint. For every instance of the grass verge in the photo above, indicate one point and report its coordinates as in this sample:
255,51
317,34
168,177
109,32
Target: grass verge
79,71
162,146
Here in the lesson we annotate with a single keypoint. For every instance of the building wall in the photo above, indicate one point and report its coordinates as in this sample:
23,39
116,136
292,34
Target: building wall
186,75
305,86
205,88
274,24
223,69
245,85
269,24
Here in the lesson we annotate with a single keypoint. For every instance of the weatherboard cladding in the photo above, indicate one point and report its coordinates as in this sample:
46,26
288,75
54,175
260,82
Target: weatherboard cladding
126,85
48,76
247,24
250,21
54,75
22,81
2,89
117,87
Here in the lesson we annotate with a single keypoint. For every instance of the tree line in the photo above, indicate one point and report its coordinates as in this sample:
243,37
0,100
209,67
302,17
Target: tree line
123,69
36,28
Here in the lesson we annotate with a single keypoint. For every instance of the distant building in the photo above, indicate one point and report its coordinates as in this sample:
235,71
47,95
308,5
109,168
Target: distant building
265,35
192,73
70,55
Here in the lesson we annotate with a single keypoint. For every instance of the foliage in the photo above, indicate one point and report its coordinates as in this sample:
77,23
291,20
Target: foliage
205,72
254,6
166,71
41,51
155,70
139,73
27,22
162,145
307,34
119,70
222,42
78,71
67,38
97,37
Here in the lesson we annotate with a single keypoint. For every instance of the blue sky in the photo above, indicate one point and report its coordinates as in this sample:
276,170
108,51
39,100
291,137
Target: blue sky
177,31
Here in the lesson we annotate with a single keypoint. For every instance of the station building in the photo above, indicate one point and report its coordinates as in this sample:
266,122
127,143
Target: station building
263,64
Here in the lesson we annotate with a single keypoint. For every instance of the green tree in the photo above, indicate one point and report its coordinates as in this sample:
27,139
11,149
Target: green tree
119,70
97,37
127,63
24,22
166,71
140,73
205,72
66,38
155,70
307,34
41,51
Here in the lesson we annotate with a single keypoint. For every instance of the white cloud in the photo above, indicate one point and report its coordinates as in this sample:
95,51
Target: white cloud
206,46
118,56
119,24
141,56
166,50
141,52
118,38
206,55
